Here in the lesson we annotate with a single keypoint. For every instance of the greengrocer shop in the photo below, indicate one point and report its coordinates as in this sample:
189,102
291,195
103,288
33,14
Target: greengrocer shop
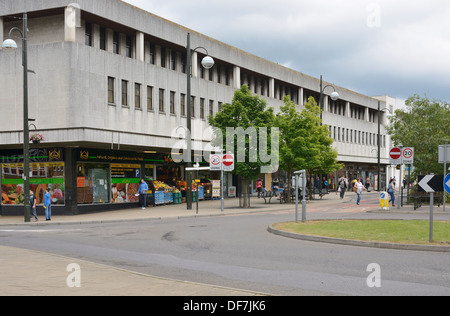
85,179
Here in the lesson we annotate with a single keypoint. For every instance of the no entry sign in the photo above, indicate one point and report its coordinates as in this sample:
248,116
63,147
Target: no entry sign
228,162
395,156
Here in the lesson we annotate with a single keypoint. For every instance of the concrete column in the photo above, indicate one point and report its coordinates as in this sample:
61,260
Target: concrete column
272,88
109,40
347,109
366,114
96,36
194,65
300,97
140,47
236,77
70,24
1,30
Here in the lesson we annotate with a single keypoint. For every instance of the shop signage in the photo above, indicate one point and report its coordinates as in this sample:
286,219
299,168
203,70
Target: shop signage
36,155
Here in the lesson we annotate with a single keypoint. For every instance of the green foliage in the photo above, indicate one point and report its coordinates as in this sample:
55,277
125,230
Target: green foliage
424,125
304,142
245,111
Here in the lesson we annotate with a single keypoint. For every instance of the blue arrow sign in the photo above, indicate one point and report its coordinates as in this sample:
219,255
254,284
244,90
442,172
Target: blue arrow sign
447,183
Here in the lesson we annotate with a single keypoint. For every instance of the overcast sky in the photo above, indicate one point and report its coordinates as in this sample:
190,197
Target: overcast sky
387,47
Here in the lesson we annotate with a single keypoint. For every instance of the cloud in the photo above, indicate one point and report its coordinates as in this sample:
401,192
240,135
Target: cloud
394,46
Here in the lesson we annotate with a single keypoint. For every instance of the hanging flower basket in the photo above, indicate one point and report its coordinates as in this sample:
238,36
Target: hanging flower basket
36,138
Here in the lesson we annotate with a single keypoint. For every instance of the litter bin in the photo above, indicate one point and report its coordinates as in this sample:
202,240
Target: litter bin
384,201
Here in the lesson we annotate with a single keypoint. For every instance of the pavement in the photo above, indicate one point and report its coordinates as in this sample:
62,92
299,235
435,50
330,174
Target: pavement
22,269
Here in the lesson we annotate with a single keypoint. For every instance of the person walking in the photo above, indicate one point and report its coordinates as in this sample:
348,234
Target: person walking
342,185
48,205
259,187
143,188
358,188
391,190
33,206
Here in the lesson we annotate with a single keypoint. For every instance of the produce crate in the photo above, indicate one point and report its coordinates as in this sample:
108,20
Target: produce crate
168,197
159,197
177,198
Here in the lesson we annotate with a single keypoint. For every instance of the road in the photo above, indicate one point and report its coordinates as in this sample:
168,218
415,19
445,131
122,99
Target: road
237,251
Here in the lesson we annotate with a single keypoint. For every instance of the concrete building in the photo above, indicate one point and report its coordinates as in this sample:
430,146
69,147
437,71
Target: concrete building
109,92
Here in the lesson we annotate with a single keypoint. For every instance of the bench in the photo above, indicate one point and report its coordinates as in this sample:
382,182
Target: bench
267,195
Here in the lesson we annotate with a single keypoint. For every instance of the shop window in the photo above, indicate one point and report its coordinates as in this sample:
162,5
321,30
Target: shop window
125,180
44,175
93,184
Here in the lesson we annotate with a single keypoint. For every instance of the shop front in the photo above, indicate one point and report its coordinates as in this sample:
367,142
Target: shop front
47,170
84,180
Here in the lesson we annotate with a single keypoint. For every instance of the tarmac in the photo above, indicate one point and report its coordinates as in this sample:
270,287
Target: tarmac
22,269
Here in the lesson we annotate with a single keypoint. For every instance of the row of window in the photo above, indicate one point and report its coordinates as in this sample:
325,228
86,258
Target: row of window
341,134
203,110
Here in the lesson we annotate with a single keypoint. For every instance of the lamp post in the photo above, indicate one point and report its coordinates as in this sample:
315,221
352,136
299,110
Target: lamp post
379,143
334,96
207,63
11,44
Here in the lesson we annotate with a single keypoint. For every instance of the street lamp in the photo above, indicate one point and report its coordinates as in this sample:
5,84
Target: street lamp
334,96
11,44
379,142
207,63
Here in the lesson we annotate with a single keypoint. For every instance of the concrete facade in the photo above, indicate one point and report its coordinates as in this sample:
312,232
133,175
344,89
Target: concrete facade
78,99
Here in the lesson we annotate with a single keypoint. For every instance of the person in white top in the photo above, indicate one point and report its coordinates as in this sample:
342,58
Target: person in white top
359,188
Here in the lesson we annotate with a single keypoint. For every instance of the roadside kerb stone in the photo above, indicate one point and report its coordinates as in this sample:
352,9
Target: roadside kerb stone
358,243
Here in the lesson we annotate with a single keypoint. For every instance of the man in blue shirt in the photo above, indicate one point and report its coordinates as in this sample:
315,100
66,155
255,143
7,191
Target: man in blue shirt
48,205
143,188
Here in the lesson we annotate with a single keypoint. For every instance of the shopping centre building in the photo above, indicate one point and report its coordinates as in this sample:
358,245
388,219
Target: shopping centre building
108,91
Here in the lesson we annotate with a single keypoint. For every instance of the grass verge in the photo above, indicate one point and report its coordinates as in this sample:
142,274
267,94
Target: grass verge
393,231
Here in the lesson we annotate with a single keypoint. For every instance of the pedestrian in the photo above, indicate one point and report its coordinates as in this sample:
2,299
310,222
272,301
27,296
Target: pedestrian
143,188
33,206
48,205
391,190
259,187
342,185
276,186
358,188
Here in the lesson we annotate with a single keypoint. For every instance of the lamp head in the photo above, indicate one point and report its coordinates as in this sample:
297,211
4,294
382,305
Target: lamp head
335,96
208,62
9,44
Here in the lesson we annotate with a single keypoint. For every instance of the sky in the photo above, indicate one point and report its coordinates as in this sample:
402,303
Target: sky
386,47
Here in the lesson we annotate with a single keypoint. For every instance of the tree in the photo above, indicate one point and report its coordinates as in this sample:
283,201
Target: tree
424,125
246,116
305,144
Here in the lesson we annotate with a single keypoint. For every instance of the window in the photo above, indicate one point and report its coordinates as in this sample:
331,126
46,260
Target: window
152,54
88,34
116,43
137,96
129,47
149,98
202,108
183,104
124,92
172,60
183,63
111,83
163,57
102,38
211,107
172,102
161,100
192,106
